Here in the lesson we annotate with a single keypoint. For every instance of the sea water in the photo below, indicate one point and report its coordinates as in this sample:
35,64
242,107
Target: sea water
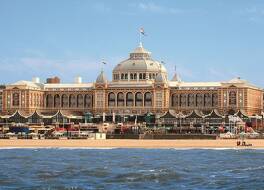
74,169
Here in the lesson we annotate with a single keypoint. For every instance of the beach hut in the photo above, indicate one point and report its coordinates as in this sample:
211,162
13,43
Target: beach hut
241,114
193,121
17,117
195,116
149,119
60,118
35,118
75,117
88,117
214,119
169,119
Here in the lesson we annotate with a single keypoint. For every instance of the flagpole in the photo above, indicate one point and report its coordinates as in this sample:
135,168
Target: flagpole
140,44
102,65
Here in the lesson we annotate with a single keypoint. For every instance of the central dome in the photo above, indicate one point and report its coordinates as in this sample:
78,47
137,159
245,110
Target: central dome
139,66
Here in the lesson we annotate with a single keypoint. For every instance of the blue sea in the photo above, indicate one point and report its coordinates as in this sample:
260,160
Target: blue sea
77,169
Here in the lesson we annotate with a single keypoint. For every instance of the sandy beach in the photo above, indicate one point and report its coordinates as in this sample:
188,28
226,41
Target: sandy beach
128,143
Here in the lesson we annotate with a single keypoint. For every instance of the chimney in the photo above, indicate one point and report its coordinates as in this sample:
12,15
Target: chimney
78,80
36,80
54,80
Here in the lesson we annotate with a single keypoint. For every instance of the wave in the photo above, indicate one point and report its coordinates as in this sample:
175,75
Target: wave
209,148
246,169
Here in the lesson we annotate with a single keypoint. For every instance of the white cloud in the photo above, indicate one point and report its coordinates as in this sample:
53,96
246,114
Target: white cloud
252,14
101,7
154,8
27,67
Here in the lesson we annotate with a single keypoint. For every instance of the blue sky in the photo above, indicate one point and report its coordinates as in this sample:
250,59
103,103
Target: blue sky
207,40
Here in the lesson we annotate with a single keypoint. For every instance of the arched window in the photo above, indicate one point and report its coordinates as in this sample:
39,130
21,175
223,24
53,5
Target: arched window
207,100
122,76
49,101
148,99
191,100
131,76
199,100
79,100
88,100
144,75
120,99
57,101
174,100
232,98
129,99
183,101
126,75
140,76
64,101
139,99
215,99
149,76
16,99
72,101
111,99
135,76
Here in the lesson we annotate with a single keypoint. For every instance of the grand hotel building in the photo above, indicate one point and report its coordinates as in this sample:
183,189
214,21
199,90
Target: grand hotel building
139,85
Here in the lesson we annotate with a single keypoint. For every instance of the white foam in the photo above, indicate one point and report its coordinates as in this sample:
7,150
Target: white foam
218,148
246,169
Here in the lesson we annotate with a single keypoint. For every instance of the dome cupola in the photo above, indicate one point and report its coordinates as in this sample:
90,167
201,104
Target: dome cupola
138,67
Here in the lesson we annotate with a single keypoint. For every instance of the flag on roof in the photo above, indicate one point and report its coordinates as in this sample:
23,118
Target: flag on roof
142,31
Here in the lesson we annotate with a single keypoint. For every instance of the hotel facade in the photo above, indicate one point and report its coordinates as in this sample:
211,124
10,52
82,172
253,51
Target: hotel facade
139,85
